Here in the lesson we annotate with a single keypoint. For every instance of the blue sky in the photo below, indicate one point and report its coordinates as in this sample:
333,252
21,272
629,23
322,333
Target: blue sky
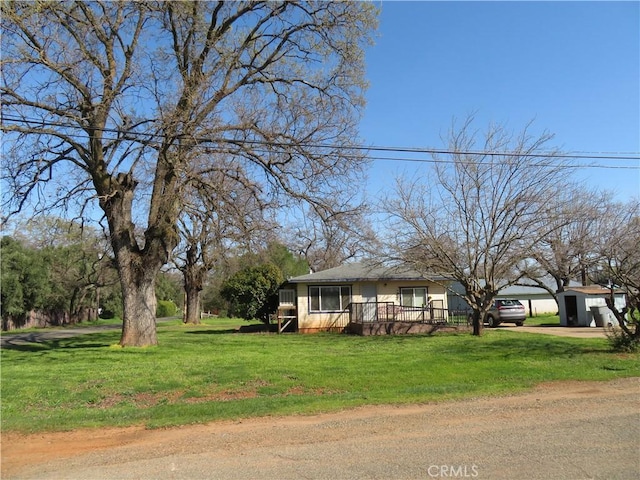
571,67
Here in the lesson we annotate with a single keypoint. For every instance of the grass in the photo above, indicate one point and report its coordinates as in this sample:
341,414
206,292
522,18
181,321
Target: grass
209,372
543,319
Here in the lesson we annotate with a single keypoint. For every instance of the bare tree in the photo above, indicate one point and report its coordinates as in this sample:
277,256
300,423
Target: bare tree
480,215
222,216
569,250
327,239
112,98
620,268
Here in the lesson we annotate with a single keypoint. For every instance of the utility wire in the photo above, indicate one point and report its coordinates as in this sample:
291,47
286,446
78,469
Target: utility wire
546,164
204,141
439,151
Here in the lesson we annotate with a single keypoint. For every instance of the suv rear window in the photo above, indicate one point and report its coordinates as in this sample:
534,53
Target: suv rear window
509,303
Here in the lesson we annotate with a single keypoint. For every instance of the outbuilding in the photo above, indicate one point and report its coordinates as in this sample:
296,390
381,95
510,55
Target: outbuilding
587,307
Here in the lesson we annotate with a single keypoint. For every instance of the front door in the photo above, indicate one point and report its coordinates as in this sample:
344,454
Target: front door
369,299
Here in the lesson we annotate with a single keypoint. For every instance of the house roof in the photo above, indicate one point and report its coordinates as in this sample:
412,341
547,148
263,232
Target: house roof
523,290
364,272
532,290
592,290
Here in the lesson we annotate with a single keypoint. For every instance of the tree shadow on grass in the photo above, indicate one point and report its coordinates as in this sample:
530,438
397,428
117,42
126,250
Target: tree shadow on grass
255,328
26,347
213,332
527,346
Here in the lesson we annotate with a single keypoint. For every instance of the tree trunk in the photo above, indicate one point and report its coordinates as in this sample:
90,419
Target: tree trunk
139,323
139,302
192,305
137,268
477,323
621,317
194,275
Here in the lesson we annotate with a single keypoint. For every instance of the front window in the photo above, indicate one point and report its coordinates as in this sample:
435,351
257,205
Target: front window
329,298
287,297
413,297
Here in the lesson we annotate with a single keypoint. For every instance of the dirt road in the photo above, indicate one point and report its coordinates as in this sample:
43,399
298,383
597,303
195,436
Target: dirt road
567,430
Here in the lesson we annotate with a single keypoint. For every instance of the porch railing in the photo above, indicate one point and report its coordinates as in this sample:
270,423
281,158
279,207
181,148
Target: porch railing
390,312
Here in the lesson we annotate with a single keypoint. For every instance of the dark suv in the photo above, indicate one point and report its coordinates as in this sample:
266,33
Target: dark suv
510,311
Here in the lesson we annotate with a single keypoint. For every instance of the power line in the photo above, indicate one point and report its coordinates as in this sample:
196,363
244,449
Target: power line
547,164
440,151
203,141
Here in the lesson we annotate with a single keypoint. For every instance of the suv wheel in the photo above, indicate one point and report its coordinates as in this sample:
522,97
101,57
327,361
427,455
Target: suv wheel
492,321
519,324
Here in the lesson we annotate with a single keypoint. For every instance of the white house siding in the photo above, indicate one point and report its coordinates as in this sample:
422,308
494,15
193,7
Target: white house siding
386,291
316,322
390,291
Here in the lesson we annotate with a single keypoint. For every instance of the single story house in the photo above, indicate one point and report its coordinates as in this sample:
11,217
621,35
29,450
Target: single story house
587,307
362,293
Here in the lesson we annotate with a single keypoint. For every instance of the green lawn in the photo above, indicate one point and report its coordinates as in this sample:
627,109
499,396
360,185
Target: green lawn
545,319
208,372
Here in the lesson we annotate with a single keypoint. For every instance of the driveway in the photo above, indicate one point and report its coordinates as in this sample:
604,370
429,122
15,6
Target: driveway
577,332
45,335
57,333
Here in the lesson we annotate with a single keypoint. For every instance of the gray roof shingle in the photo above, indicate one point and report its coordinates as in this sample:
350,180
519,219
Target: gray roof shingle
364,272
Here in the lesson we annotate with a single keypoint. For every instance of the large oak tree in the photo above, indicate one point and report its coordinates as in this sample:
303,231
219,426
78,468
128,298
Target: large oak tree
105,102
